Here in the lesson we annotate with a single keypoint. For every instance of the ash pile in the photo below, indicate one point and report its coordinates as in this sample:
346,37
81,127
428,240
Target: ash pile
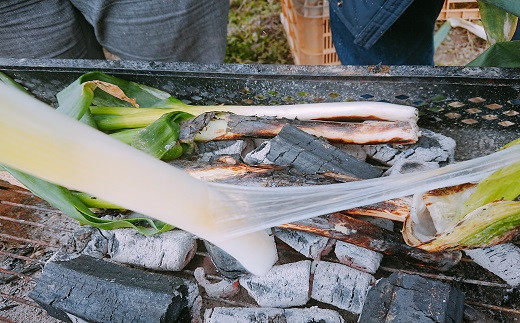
328,270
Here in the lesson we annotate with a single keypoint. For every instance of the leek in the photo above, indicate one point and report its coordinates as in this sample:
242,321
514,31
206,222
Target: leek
467,216
74,102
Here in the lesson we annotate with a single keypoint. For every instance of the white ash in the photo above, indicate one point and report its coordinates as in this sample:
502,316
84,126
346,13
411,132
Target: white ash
271,315
213,149
404,166
283,286
502,260
170,250
341,286
358,257
308,244
222,289
259,155
431,147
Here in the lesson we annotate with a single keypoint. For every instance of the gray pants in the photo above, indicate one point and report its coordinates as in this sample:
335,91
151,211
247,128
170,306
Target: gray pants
160,30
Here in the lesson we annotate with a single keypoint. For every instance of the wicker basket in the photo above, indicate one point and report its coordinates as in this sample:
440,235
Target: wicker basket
306,24
465,9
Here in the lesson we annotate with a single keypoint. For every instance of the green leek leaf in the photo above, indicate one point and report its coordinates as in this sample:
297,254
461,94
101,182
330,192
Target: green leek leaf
511,6
500,25
75,101
488,225
503,184
501,54
160,139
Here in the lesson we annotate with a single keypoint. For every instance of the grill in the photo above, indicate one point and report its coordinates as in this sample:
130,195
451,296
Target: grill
477,107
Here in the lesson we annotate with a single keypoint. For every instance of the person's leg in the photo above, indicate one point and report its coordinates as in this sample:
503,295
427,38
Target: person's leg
409,41
161,30
45,29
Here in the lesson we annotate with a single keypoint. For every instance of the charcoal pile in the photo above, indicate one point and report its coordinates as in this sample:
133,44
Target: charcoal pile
328,268
441,255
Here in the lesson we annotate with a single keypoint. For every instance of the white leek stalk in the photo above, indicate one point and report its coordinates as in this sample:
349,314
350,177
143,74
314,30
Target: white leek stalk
42,142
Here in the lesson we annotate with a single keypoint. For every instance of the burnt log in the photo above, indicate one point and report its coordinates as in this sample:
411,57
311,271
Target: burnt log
98,291
410,298
364,234
309,155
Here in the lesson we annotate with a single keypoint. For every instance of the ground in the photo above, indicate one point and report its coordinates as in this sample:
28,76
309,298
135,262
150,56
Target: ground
256,35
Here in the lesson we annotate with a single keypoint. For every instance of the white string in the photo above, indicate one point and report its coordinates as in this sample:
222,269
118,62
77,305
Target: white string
257,208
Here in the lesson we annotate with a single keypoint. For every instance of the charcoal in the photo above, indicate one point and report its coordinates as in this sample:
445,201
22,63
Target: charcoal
502,260
226,265
380,222
98,291
358,257
472,315
354,150
367,235
309,155
431,147
170,250
403,166
283,286
308,244
410,298
209,151
340,285
271,315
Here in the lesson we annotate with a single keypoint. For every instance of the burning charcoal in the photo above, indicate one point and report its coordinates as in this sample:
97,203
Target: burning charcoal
358,257
210,150
243,315
502,260
311,315
98,291
340,285
283,286
308,244
403,166
431,147
309,155
222,289
364,234
170,250
228,266
266,315
409,298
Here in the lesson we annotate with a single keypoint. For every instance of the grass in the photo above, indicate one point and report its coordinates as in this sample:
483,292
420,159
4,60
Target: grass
255,33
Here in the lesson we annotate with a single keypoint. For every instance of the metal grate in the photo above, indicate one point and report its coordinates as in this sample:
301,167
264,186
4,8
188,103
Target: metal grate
478,107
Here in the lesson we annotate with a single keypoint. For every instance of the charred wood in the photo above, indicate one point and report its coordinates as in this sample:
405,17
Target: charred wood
98,291
361,233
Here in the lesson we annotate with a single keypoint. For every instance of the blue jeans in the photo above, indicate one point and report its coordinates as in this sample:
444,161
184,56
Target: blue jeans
162,30
408,41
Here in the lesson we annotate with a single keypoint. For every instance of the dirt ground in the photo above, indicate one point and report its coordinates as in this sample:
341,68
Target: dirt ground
459,48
